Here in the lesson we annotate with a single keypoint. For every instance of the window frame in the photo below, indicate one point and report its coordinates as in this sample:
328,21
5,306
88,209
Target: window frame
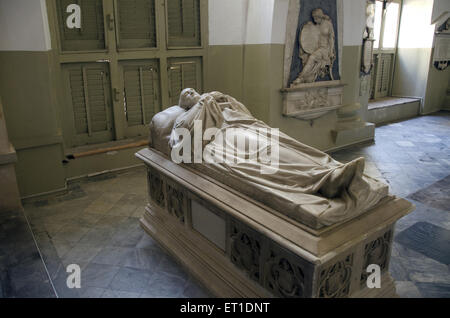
380,52
114,56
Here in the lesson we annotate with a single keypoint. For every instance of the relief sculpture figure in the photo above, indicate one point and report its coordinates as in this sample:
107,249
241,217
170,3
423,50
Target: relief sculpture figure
317,48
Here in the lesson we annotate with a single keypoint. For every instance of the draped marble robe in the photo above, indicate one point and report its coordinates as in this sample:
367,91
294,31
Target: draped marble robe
308,186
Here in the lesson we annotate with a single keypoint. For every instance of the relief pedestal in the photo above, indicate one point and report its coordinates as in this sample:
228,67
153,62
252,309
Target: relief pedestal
237,247
350,128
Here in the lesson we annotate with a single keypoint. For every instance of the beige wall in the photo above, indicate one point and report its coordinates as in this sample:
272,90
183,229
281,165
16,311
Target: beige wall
415,75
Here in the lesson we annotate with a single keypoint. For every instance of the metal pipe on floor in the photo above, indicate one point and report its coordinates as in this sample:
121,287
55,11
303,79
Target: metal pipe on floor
106,150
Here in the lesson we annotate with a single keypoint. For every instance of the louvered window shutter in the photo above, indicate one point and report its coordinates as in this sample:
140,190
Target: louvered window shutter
382,75
141,92
137,28
386,74
373,77
184,74
90,97
91,35
183,23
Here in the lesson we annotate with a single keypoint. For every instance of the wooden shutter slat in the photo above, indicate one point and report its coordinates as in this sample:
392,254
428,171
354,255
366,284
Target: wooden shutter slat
86,101
91,36
137,24
183,23
140,92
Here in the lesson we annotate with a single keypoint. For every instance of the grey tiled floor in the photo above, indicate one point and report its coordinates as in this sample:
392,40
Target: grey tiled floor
96,225
413,157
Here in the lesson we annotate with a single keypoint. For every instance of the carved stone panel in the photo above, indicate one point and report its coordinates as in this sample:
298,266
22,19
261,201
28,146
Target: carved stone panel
312,100
376,252
176,202
275,268
334,280
283,277
245,250
156,187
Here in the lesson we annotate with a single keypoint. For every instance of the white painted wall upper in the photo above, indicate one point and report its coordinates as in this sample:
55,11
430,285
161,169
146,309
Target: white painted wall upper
226,21
280,14
416,30
235,22
24,26
354,21
259,22
441,10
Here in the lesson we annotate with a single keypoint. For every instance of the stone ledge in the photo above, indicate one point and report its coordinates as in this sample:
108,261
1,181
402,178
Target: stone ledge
8,157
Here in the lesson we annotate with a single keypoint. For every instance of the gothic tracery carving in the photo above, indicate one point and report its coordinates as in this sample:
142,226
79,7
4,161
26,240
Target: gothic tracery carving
376,252
175,202
156,188
245,253
283,278
334,281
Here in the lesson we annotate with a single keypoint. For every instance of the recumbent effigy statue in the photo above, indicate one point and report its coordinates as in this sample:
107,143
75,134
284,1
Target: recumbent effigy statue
307,184
305,228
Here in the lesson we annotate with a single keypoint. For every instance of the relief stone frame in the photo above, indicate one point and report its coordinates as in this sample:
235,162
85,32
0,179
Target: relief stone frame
307,98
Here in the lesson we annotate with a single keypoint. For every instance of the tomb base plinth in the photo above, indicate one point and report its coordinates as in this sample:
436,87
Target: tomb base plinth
238,247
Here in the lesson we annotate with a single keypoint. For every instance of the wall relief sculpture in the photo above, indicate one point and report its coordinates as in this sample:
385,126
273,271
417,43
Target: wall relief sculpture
334,281
156,188
313,46
313,99
368,39
376,252
316,48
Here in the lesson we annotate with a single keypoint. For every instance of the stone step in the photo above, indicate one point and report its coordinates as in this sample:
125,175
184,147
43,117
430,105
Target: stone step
392,109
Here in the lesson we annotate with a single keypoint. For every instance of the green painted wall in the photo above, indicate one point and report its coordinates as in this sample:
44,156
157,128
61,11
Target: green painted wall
415,76
224,62
28,89
32,120
436,92
411,72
